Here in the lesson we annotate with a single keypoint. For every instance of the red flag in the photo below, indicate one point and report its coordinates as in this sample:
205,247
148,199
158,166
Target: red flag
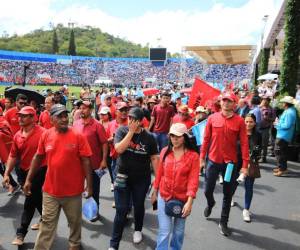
201,93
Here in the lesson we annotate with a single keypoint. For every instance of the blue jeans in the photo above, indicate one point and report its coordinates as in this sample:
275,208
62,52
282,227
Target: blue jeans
249,181
211,175
113,168
167,226
136,190
162,140
96,187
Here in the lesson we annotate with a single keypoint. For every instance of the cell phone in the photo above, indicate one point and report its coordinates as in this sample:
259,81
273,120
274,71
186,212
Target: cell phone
154,206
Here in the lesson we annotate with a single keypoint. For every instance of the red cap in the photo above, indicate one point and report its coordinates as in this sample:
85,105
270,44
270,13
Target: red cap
121,105
27,110
229,96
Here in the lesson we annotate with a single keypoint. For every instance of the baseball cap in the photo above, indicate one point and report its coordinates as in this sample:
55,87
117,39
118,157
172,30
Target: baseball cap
27,110
104,111
121,105
229,96
151,100
136,113
86,103
57,109
178,129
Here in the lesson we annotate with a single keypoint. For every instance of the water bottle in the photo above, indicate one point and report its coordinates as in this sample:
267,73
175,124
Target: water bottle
228,173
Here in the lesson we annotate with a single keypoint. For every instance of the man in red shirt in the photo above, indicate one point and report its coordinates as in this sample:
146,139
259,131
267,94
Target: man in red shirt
184,116
8,104
96,136
6,140
12,114
24,146
44,119
121,120
222,133
161,119
68,160
108,103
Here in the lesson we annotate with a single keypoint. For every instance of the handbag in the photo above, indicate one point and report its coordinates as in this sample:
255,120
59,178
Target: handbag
253,170
173,208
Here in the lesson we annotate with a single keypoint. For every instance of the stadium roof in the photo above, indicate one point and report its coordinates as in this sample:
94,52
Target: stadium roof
235,54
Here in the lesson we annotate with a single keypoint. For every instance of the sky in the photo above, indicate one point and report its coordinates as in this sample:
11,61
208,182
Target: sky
168,23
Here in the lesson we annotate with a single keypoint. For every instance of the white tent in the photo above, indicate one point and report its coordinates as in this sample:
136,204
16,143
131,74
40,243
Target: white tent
268,76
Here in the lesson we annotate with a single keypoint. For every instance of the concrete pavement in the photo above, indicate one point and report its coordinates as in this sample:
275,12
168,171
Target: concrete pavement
275,221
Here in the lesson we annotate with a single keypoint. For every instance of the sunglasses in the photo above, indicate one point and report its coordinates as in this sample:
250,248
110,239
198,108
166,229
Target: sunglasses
22,103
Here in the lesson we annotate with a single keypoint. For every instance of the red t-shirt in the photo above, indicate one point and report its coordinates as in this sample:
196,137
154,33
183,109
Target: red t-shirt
63,151
188,123
162,117
6,139
12,118
220,139
25,148
45,120
96,136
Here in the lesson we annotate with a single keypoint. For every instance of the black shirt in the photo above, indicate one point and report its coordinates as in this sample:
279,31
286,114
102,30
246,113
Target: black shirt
135,160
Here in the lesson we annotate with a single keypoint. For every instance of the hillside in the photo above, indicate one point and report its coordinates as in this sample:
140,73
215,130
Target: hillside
89,42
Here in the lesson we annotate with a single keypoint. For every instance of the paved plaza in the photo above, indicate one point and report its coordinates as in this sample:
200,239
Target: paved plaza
275,221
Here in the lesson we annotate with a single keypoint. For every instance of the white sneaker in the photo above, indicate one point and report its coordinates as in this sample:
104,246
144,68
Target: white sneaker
232,204
246,215
111,248
137,237
221,179
112,187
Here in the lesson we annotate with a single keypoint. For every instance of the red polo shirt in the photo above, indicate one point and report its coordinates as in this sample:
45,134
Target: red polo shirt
63,151
25,148
96,136
163,116
45,120
221,137
188,123
111,131
12,118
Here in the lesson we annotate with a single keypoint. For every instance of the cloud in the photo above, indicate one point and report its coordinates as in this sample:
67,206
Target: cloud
219,25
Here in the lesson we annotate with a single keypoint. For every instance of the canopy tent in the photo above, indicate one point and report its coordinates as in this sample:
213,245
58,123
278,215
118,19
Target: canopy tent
235,54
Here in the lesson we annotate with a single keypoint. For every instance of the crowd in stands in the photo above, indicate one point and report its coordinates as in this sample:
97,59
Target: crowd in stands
126,72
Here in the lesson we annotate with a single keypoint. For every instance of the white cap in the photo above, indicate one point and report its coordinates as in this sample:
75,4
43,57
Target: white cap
104,111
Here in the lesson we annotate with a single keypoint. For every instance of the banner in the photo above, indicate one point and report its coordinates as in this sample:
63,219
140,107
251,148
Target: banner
201,93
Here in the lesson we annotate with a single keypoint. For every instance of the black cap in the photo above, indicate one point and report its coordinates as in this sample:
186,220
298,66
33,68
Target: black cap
136,113
57,109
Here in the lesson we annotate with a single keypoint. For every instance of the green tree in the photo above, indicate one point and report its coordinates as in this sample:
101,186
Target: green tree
291,48
72,45
264,61
55,47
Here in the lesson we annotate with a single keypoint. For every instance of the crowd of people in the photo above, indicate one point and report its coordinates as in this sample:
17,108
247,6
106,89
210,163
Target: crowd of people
59,153
126,72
